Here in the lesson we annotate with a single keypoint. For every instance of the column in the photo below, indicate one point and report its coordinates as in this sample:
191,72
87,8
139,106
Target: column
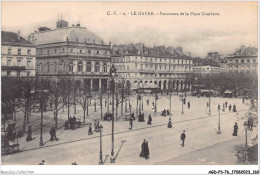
99,84
91,84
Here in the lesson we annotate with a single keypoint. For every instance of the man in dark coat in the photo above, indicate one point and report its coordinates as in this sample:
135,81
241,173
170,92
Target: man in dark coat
183,136
235,129
188,105
149,120
29,132
146,150
230,107
142,149
226,104
234,108
53,134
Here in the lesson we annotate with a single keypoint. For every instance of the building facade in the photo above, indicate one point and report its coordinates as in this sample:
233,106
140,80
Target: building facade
72,53
18,58
244,60
157,67
205,66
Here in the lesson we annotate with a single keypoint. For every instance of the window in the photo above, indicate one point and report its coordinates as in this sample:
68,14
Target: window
89,51
254,60
29,52
28,73
9,63
127,67
105,67
9,51
19,51
55,51
88,66
80,66
242,61
19,62
63,50
55,67
41,52
70,67
40,67
18,73
8,73
71,50
248,60
48,67
48,52
97,67
28,63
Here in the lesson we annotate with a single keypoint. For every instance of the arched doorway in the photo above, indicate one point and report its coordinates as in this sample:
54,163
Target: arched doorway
164,85
160,84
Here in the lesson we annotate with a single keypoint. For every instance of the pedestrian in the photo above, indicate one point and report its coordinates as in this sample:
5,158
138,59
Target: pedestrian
146,150
133,116
149,120
230,107
183,136
90,130
226,104
131,123
147,101
207,104
188,104
234,108
53,134
184,101
243,100
223,107
29,132
235,129
105,103
142,149
170,123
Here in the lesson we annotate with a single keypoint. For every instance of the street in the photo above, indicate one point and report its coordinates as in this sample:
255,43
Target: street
164,143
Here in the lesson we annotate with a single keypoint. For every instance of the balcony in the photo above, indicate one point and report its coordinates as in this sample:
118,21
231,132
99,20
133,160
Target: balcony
147,71
13,68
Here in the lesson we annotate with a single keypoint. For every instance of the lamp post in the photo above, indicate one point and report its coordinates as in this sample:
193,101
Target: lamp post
219,131
170,93
100,153
246,128
112,75
130,109
182,112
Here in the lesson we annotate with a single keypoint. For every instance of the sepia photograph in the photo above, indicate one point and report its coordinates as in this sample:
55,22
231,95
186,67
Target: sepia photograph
129,83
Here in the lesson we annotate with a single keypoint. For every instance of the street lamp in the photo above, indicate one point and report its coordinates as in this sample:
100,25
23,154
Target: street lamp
112,75
100,153
182,112
219,131
246,128
130,108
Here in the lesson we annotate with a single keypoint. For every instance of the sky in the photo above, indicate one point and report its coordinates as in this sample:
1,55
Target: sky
235,25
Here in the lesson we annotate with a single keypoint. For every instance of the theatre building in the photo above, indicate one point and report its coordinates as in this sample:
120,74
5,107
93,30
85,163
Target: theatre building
72,53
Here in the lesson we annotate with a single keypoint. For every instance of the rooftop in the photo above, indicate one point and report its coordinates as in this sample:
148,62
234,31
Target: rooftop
11,38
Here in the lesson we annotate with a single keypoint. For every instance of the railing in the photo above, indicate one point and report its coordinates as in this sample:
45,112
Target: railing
13,67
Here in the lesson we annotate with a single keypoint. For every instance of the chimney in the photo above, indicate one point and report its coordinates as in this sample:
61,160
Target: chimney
18,35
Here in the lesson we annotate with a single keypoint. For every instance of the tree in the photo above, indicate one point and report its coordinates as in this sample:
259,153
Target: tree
82,98
56,94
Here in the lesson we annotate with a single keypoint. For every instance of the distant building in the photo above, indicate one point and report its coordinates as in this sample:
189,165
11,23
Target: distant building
18,58
156,67
244,60
72,52
213,56
205,66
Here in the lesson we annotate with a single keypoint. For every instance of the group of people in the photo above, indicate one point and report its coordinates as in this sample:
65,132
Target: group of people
166,112
225,105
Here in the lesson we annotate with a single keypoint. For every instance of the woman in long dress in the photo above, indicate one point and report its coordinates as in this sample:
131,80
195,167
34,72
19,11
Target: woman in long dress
235,129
